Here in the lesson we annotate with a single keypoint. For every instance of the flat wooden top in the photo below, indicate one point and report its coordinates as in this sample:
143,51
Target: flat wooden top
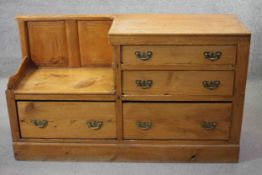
177,24
67,81
103,17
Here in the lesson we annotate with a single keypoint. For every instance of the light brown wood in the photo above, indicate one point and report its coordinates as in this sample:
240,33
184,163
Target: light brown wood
166,55
182,98
178,82
67,81
118,86
177,67
89,17
12,111
72,44
67,97
67,119
126,152
95,48
240,85
115,141
47,42
172,40
177,24
77,67
23,34
177,120
15,79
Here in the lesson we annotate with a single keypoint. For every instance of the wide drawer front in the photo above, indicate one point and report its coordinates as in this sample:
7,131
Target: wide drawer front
178,82
177,120
164,55
67,119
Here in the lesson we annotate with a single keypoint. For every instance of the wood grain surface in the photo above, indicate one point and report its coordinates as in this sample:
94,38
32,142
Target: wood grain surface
168,55
67,119
96,80
178,82
177,120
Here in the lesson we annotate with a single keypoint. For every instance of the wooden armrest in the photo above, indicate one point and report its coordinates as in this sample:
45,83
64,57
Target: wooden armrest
14,79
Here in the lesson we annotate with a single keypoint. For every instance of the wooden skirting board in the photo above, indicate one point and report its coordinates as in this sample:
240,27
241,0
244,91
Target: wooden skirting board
126,152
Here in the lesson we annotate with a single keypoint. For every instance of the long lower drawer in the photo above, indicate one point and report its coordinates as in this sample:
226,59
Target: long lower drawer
178,82
67,119
209,121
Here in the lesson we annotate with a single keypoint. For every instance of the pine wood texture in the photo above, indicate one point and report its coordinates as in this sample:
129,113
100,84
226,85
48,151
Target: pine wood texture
95,48
178,82
24,44
12,111
126,152
96,80
47,42
168,55
89,17
177,24
177,120
14,80
240,80
67,119
177,98
67,43
72,43
81,68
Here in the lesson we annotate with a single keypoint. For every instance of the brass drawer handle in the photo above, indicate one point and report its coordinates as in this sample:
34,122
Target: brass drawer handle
144,56
40,123
212,56
94,124
144,84
211,85
144,125
209,125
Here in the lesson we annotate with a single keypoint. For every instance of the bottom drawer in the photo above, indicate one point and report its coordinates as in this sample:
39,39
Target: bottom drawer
67,119
209,121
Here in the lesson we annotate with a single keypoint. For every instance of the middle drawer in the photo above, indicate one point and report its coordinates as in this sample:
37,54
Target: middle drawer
178,82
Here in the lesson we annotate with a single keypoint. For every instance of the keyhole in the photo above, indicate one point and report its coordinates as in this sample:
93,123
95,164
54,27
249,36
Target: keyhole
193,157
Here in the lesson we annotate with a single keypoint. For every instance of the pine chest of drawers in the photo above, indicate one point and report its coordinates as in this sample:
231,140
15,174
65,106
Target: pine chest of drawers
149,87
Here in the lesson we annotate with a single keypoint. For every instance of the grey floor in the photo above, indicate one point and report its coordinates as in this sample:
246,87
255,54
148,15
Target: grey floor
250,156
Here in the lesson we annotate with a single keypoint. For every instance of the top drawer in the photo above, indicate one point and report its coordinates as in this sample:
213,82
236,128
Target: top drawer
168,55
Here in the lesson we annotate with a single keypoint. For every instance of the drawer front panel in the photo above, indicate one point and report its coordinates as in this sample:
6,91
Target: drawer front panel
177,120
178,82
67,119
164,55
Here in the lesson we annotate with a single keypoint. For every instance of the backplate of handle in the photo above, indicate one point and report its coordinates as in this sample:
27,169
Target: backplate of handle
211,85
144,56
144,84
40,123
94,124
209,125
144,125
212,56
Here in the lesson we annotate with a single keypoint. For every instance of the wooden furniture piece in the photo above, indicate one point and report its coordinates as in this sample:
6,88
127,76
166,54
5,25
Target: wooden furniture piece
129,88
